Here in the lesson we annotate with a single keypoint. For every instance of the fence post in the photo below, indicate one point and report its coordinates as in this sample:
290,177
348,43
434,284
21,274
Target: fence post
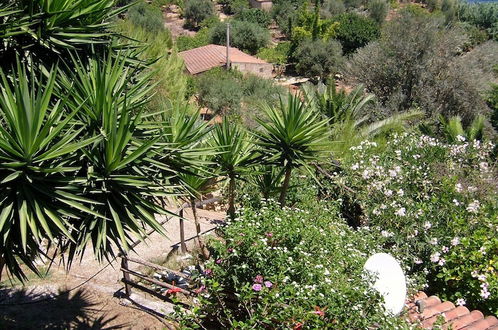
183,246
126,276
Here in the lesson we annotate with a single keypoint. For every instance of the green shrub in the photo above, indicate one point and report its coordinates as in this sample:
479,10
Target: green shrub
378,9
483,14
254,15
439,82
197,11
435,206
277,54
318,58
201,38
288,269
146,16
245,36
355,31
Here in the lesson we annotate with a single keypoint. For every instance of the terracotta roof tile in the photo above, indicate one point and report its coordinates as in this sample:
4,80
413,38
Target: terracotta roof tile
207,57
427,310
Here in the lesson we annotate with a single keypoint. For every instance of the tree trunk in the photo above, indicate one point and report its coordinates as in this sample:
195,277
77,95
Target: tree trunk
203,249
2,264
285,186
231,197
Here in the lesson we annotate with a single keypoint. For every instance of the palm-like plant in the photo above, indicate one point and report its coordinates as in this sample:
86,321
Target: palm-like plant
234,153
338,105
349,121
453,128
48,29
293,136
39,194
119,176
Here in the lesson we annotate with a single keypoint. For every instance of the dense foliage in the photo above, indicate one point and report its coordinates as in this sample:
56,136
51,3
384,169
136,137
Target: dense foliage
318,58
355,31
434,204
196,11
285,269
244,35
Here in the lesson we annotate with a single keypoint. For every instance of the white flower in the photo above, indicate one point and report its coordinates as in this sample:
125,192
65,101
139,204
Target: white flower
455,241
385,233
427,225
388,192
474,206
441,262
401,192
481,277
485,293
445,249
460,302
482,250
471,189
365,174
417,261
433,241
355,167
435,257
401,212
456,202
392,173
458,187
460,138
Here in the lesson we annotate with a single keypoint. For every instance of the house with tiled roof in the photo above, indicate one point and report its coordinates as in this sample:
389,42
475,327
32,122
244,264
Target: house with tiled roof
207,57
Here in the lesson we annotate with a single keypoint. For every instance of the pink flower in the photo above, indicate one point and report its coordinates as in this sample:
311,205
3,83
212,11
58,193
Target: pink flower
208,272
269,234
200,289
257,287
268,284
319,312
218,261
258,279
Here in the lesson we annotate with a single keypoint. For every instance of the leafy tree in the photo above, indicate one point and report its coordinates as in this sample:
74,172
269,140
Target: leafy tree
416,63
492,100
196,11
219,91
246,36
293,136
355,31
318,58
254,15
234,148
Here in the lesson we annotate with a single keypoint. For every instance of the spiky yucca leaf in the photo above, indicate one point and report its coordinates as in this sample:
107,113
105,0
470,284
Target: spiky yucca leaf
39,141
293,136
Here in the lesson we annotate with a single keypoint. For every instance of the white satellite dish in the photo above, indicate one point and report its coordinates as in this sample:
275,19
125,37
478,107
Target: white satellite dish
390,283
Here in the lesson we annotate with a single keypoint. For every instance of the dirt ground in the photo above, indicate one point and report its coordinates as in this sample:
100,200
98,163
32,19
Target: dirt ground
95,300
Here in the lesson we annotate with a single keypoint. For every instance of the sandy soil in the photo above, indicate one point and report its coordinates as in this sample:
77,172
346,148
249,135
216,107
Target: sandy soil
98,303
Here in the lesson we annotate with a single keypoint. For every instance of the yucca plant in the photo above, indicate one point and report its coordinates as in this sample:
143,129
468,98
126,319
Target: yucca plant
268,179
124,184
234,155
40,195
293,136
47,29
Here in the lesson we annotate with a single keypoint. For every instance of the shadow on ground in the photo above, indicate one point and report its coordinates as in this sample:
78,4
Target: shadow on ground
25,309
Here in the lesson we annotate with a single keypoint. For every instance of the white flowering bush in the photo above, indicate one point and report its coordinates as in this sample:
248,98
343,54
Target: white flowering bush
434,205
298,268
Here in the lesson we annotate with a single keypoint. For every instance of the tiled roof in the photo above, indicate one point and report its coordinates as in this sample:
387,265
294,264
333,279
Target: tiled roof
204,58
426,311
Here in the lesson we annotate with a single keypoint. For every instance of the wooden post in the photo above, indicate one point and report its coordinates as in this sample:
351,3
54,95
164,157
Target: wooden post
183,246
126,276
